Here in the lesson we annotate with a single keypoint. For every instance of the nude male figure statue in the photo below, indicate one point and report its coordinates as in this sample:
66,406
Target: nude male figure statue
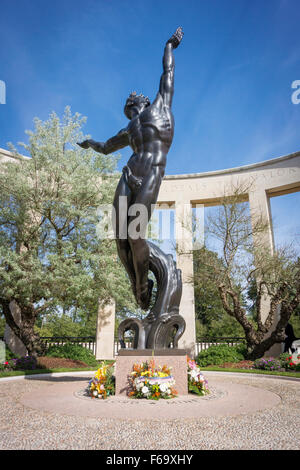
149,134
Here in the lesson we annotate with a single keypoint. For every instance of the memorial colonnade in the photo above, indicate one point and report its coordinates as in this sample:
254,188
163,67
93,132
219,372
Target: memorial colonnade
264,180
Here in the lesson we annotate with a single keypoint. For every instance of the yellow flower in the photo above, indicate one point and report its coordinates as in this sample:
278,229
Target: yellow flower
101,372
162,374
145,373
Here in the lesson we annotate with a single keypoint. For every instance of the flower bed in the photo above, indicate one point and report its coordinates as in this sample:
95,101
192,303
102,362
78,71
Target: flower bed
150,382
267,364
287,361
103,384
284,362
20,363
196,380
8,366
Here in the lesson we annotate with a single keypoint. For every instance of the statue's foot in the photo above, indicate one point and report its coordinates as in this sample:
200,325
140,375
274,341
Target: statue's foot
144,295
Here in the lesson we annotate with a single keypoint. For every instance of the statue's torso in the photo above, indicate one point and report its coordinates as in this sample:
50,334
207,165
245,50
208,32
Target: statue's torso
150,137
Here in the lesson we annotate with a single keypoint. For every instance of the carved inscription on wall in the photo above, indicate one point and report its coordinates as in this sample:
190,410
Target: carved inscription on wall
221,181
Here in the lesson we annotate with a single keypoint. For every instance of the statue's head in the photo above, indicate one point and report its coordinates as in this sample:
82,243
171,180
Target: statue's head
135,104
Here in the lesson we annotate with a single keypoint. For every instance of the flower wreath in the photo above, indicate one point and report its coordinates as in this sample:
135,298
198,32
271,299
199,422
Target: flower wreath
196,380
103,384
148,381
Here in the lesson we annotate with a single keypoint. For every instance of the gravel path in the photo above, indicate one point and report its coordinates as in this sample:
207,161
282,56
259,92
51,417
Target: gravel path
275,428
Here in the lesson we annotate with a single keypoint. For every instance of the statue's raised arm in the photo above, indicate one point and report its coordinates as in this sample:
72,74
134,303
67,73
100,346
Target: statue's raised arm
166,87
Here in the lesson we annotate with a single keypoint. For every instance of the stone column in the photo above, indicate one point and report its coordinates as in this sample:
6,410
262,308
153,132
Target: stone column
105,343
184,248
259,203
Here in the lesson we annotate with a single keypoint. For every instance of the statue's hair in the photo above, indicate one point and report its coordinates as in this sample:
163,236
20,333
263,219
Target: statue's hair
133,95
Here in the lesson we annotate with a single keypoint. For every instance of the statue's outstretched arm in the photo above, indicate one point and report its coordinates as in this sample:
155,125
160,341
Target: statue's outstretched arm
113,144
166,87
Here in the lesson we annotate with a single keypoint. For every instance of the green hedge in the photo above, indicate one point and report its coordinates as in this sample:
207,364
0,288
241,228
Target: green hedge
73,351
217,355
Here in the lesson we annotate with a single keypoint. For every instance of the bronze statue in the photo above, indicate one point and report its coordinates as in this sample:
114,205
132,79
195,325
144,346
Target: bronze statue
149,134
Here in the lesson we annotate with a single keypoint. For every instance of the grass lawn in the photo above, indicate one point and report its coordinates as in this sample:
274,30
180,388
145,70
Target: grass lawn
252,371
51,370
13,373
203,369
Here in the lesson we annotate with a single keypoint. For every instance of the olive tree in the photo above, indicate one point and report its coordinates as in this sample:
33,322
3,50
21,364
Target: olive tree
246,260
51,258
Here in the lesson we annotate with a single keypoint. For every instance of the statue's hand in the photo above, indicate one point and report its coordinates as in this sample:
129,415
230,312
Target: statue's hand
176,39
85,144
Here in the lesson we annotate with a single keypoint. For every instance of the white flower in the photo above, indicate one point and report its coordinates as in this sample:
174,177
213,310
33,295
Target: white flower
95,393
194,374
163,387
145,390
139,385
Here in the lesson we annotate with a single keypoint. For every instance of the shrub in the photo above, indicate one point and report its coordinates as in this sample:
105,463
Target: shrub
217,355
26,363
269,363
73,351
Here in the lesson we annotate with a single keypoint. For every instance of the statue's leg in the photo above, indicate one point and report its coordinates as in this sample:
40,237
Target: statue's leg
121,226
147,196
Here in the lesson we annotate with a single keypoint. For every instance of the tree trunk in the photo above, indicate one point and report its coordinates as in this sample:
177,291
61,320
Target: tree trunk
256,341
258,350
24,329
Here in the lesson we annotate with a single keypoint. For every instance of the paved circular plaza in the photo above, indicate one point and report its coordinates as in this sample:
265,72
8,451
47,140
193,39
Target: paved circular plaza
243,411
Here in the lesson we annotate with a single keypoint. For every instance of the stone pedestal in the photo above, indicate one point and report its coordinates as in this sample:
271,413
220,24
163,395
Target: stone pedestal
175,358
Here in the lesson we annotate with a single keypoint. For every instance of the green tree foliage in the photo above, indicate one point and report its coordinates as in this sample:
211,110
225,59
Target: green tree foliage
51,259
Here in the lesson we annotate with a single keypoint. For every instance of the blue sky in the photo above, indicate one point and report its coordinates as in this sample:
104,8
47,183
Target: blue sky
234,71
